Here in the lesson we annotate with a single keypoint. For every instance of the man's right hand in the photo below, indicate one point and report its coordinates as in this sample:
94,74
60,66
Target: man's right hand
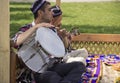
47,25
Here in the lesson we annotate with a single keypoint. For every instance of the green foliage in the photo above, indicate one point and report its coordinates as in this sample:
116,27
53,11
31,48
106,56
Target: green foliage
93,17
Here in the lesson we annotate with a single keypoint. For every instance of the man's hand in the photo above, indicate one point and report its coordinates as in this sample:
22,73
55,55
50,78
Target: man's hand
62,33
47,25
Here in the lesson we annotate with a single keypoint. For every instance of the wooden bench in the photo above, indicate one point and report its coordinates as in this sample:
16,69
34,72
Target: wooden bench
98,43
94,43
13,63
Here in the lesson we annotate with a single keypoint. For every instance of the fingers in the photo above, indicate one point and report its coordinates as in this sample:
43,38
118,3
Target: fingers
46,25
58,28
64,33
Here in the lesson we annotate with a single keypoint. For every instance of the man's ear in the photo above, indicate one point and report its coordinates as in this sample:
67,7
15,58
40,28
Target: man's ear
40,13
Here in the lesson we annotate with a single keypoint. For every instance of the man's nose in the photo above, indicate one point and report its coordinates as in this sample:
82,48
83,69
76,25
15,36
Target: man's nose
52,12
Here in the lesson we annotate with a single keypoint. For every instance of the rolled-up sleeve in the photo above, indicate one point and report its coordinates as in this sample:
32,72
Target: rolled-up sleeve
21,30
14,38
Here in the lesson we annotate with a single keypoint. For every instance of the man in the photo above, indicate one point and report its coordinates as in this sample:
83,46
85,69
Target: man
60,72
56,21
57,16
26,31
72,55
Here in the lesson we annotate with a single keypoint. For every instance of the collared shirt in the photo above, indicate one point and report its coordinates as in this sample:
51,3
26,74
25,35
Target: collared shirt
30,40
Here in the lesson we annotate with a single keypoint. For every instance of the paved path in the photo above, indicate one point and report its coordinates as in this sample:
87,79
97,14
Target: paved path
65,0
83,0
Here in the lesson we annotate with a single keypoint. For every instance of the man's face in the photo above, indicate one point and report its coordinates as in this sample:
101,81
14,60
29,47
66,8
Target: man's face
57,21
47,14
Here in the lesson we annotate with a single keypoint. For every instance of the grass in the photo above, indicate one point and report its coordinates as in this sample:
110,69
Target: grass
94,17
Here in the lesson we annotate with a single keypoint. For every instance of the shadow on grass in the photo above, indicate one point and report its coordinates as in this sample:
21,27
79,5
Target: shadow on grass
20,9
94,29
21,16
14,27
70,15
20,3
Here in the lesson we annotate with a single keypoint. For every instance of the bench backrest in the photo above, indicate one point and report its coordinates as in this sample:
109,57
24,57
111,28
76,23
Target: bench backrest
97,43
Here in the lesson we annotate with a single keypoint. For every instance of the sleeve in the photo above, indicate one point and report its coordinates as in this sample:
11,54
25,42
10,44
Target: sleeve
21,30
